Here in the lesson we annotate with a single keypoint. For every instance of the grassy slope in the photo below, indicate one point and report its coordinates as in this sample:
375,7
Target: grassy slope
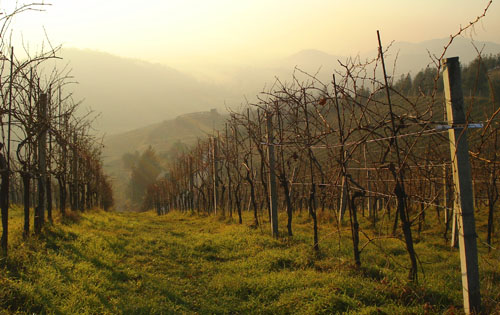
140,263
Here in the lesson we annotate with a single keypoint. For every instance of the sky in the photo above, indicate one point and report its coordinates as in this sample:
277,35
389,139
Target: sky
180,33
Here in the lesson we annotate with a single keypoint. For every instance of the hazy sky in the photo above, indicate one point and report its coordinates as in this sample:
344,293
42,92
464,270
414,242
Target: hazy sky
179,32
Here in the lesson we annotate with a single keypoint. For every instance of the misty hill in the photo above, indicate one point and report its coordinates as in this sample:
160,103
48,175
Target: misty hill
311,60
185,129
130,93
411,58
165,138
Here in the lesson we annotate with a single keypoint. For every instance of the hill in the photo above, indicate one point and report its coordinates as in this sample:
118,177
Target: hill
412,57
112,263
163,137
409,57
185,128
130,93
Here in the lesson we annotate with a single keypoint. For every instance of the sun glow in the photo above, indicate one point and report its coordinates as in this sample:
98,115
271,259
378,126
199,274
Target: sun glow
221,31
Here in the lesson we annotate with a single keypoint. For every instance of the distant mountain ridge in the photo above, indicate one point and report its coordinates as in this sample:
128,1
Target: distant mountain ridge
411,57
131,93
415,56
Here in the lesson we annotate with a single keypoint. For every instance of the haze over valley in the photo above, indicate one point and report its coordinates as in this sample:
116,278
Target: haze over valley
131,93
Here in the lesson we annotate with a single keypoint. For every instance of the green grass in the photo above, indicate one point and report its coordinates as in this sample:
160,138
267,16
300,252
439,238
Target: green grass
102,262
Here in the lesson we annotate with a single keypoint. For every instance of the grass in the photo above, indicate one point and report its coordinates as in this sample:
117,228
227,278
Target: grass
139,263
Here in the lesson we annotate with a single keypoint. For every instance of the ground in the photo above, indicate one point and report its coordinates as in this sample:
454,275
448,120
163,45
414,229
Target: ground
140,263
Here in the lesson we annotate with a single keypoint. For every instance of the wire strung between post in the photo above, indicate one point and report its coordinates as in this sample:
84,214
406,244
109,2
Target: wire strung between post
325,146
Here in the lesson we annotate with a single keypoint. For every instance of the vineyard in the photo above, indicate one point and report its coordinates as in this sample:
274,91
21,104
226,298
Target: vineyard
358,149
48,138
362,193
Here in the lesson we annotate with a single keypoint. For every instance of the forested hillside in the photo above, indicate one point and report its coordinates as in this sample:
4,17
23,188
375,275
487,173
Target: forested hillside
481,77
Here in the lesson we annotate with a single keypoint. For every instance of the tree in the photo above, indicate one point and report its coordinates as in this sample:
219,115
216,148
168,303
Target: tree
144,172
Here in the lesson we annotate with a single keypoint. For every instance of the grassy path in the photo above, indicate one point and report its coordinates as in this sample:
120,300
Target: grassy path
145,264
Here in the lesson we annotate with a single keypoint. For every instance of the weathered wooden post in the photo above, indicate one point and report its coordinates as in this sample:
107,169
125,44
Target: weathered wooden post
215,168
5,169
463,185
272,175
48,179
42,163
343,200
229,178
191,182
74,172
250,172
64,153
369,203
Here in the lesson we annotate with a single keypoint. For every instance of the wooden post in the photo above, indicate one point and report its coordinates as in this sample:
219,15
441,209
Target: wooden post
463,185
312,192
48,180
343,154
343,197
272,176
250,172
369,203
215,168
74,205
191,182
64,154
5,169
42,164
229,179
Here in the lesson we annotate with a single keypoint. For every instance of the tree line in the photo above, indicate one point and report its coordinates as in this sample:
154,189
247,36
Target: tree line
481,77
